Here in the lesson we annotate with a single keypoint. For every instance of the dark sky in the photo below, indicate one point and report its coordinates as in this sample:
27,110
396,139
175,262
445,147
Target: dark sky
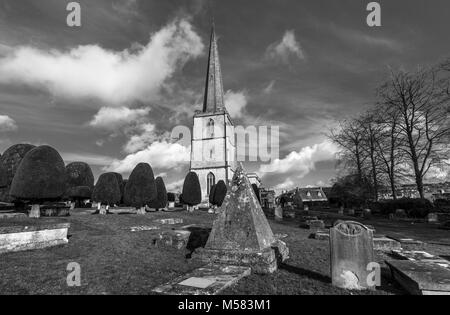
110,92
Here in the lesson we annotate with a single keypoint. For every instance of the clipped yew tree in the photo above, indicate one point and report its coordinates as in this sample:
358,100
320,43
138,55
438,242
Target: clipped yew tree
10,160
78,194
41,177
220,193
3,181
120,182
79,174
107,190
161,195
140,189
211,195
192,192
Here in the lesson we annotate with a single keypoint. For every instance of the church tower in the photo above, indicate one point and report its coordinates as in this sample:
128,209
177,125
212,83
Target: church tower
213,142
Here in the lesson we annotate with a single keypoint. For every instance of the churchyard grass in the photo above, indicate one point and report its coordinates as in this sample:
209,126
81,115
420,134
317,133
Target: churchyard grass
115,260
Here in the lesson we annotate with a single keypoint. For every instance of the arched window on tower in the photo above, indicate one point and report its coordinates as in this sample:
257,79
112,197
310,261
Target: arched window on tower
211,181
210,128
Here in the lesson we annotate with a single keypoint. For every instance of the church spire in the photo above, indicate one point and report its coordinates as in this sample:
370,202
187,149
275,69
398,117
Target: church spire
213,101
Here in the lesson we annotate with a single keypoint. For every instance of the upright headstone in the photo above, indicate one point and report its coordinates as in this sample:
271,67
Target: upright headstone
279,213
351,246
241,234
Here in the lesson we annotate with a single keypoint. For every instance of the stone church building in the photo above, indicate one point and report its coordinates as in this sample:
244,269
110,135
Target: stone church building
213,155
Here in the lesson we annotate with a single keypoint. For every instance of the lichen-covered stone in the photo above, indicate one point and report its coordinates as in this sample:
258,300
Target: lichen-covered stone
241,234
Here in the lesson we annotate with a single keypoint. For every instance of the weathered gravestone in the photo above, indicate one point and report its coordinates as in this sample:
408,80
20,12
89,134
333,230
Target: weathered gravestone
279,213
351,256
241,234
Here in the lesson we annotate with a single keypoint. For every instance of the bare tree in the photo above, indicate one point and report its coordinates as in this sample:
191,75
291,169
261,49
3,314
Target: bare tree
349,137
418,101
371,137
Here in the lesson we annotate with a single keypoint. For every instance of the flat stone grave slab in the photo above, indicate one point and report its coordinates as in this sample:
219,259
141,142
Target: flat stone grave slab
143,228
211,279
383,243
171,221
174,238
409,243
122,210
7,216
421,278
21,238
321,235
421,256
313,224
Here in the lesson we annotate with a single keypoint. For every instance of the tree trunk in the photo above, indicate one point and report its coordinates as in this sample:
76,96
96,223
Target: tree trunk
35,211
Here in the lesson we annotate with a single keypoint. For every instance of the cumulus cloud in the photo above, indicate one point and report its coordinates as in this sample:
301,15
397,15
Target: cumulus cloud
114,77
112,118
286,49
161,155
235,103
140,141
7,123
286,185
91,159
302,162
175,186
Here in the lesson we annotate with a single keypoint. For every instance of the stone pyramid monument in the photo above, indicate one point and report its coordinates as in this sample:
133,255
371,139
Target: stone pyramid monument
241,234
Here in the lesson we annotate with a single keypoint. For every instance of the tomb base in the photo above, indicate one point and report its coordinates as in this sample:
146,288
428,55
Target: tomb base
261,262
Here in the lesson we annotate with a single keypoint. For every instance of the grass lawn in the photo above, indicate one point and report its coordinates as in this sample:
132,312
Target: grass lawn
115,260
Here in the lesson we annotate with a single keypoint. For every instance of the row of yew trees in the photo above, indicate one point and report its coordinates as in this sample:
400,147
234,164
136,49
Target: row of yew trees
403,138
36,175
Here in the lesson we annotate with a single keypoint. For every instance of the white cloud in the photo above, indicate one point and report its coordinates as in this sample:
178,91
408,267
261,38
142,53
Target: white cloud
142,140
285,49
175,186
91,159
94,72
269,88
286,185
111,118
161,155
7,124
235,103
302,162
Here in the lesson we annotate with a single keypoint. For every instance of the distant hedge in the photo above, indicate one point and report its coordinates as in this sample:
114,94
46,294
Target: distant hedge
415,208
211,194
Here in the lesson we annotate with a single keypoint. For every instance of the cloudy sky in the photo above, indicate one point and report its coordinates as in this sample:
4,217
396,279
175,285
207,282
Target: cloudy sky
110,91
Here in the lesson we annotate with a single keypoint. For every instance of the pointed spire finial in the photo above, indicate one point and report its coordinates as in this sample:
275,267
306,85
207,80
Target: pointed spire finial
214,96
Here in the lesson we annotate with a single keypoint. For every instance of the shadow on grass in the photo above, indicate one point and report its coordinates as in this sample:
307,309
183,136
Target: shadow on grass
307,273
198,238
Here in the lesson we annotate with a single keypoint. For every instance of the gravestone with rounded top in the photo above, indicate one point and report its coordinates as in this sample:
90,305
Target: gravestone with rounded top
351,245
